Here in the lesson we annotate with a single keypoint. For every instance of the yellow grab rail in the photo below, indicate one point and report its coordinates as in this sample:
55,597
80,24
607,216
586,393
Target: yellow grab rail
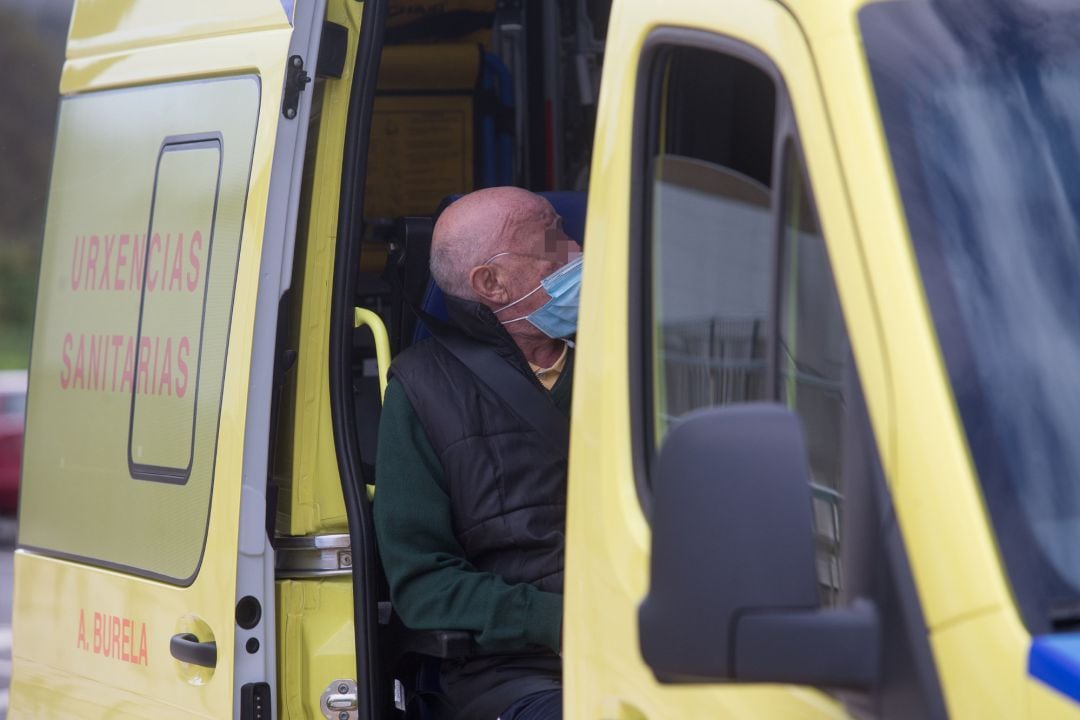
364,317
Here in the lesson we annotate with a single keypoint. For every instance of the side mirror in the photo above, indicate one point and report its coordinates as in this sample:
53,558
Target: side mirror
732,587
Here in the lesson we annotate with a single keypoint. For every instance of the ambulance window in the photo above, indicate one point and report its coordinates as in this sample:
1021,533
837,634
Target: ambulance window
140,266
740,302
164,398
710,233
813,360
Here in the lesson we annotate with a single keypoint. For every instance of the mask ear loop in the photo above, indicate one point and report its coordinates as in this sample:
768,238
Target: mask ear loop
515,302
510,305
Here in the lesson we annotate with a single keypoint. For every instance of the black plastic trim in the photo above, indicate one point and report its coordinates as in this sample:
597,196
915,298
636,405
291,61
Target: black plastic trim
333,47
365,576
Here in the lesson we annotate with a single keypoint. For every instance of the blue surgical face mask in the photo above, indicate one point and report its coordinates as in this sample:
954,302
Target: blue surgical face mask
557,318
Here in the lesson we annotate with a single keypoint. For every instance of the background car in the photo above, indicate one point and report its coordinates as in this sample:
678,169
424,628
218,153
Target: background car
12,415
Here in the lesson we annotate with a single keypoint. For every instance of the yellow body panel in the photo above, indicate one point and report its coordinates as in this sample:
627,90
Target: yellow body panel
315,642
315,629
306,464
981,671
119,26
50,677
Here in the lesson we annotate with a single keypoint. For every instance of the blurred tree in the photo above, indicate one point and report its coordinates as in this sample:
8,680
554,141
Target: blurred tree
32,39
33,51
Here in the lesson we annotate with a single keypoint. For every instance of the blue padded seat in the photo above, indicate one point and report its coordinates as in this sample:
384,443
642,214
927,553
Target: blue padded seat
571,206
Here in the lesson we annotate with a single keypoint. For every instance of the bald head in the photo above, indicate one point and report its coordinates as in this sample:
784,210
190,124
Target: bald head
478,226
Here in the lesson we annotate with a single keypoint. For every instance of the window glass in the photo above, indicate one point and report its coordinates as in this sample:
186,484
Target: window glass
982,128
812,362
743,307
711,247
163,404
131,332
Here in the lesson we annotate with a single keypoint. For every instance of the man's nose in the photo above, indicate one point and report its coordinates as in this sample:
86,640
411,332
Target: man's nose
556,241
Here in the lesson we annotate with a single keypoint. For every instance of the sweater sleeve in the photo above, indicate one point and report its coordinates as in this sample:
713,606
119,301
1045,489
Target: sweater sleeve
432,586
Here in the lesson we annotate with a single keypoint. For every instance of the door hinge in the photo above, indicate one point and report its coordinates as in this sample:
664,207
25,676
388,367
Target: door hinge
296,79
339,701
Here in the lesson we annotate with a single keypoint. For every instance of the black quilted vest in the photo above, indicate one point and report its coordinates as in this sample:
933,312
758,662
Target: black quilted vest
506,484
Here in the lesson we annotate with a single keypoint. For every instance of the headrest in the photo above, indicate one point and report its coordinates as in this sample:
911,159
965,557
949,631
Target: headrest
570,204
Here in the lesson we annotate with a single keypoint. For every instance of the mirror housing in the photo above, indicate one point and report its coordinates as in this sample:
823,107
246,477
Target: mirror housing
733,588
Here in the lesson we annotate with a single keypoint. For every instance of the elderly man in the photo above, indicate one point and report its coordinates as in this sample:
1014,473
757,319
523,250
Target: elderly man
470,509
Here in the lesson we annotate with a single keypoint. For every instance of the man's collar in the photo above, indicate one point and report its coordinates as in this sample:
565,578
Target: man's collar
477,321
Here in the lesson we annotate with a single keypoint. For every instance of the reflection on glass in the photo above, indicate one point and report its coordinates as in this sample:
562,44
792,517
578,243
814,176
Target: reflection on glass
981,106
711,269
813,364
166,368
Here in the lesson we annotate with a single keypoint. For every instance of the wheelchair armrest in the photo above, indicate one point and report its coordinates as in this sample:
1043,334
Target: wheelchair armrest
439,643
434,643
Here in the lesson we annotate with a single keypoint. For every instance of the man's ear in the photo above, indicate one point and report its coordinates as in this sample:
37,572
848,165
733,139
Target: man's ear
488,286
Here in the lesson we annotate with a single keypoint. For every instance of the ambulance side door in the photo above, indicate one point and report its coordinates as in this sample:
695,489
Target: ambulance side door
144,577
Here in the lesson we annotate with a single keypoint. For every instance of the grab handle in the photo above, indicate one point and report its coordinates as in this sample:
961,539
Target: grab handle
362,317
186,647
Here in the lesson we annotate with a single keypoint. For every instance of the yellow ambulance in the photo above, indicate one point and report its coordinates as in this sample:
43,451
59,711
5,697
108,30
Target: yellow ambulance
823,461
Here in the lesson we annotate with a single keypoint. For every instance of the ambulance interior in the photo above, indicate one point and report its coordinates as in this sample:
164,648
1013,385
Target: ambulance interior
475,94
469,94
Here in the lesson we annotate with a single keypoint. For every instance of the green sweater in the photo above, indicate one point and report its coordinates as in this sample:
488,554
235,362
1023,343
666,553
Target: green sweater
432,585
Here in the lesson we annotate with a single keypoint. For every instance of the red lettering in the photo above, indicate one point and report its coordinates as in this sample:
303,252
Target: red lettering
121,261
106,281
151,279
142,383
165,381
93,373
182,353
142,647
127,377
97,633
117,341
80,361
114,637
125,644
65,376
136,279
77,261
114,622
165,259
91,261
193,259
80,641
154,380
177,275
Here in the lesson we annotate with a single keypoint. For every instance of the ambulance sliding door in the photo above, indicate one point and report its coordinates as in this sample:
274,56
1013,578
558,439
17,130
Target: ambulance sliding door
144,575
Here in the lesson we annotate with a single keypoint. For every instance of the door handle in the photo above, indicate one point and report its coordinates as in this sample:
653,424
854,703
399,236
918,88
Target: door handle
186,647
